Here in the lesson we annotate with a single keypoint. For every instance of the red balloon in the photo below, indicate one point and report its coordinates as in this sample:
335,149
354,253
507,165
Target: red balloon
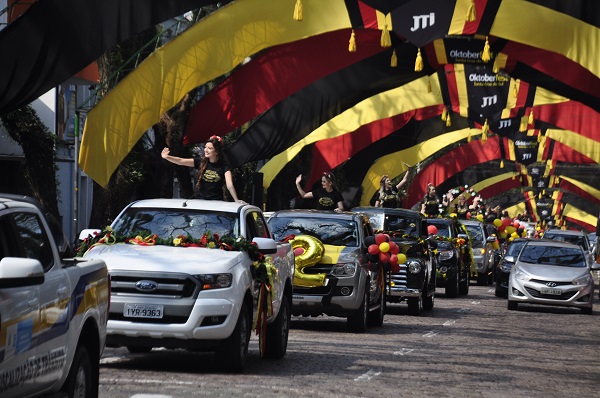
384,257
432,230
298,251
516,224
506,222
393,259
394,248
373,249
380,238
468,216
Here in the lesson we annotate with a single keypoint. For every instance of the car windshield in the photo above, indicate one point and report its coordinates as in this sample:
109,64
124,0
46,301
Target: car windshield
170,223
476,235
515,247
443,229
553,255
579,240
329,231
394,223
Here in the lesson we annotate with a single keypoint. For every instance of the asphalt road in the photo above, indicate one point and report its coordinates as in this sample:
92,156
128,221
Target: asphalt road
471,346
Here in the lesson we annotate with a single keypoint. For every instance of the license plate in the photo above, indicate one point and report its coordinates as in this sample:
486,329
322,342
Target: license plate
142,311
555,292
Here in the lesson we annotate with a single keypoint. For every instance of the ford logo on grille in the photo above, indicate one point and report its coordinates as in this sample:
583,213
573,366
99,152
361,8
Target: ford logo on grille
551,284
146,286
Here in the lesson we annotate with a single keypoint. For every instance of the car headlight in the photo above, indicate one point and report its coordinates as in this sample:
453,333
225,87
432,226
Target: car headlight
344,269
582,280
414,267
446,255
214,281
505,267
522,276
478,252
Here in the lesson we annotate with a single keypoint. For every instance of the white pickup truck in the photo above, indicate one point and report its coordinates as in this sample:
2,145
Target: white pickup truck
53,310
197,275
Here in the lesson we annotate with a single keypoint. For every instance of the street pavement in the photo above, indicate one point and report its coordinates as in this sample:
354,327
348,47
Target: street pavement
471,346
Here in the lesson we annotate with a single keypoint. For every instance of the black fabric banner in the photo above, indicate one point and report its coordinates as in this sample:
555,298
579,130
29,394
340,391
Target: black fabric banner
423,21
55,39
487,92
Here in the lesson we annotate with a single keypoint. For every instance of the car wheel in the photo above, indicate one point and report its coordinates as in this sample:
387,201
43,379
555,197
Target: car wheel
232,353
498,291
357,322
80,381
136,349
482,279
512,305
375,318
428,299
452,286
415,305
463,286
278,331
587,310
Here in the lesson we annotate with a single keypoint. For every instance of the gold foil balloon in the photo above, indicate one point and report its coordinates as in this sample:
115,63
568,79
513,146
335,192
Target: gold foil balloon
313,252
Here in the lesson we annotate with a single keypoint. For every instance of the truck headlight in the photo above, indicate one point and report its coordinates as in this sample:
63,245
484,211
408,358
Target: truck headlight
446,255
414,267
344,269
214,281
582,280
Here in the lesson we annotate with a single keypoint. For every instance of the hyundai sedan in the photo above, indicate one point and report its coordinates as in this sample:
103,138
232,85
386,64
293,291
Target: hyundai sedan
551,273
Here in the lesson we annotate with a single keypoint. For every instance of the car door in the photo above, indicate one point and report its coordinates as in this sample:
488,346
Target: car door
19,321
54,298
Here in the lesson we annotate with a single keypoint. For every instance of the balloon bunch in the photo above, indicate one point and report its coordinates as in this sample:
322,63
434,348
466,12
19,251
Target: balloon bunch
509,229
386,251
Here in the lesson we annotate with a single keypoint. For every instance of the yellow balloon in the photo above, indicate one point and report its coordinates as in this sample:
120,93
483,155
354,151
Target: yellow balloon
514,235
497,222
502,234
510,229
384,247
401,258
480,217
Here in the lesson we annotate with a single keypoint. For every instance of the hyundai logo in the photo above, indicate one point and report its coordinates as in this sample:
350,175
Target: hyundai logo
146,286
551,284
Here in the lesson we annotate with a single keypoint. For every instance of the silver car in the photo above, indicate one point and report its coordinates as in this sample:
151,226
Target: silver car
551,273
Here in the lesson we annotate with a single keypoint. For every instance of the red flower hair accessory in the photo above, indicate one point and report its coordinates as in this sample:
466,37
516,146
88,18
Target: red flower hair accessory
216,137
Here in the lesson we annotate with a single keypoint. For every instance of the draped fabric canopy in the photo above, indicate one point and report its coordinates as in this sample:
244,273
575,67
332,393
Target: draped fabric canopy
460,87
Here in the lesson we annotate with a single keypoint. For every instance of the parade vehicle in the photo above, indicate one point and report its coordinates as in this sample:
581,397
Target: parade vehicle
454,254
550,272
53,308
415,281
197,275
579,238
505,265
484,256
333,274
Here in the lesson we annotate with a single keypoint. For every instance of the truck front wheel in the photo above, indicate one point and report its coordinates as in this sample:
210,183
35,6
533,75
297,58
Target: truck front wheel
357,322
232,353
278,330
80,382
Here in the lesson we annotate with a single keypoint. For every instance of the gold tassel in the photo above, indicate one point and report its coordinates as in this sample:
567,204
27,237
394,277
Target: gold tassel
501,163
495,67
386,40
444,114
298,10
530,120
429,84
449,121
471,14
486,55
469,136
539,137
483,138
486,128
419,62
513,177
352,45
516,88
523,125
394,60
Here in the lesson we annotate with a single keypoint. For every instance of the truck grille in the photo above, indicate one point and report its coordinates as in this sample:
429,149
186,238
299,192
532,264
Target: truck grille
399,278
157,284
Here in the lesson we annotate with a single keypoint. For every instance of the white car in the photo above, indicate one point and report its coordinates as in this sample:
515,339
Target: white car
551,273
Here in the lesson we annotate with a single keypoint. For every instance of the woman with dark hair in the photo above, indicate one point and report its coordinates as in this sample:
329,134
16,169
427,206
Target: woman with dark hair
430,204
328,197
213,170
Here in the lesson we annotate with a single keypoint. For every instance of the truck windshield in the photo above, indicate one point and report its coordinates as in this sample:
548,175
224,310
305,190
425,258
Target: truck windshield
328,231
170,223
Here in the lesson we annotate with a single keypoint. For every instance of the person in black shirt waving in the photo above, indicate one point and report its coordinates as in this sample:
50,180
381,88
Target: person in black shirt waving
328,197
213,170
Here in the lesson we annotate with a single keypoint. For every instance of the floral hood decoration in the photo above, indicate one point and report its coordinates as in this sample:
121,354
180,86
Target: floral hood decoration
398,234
261,270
